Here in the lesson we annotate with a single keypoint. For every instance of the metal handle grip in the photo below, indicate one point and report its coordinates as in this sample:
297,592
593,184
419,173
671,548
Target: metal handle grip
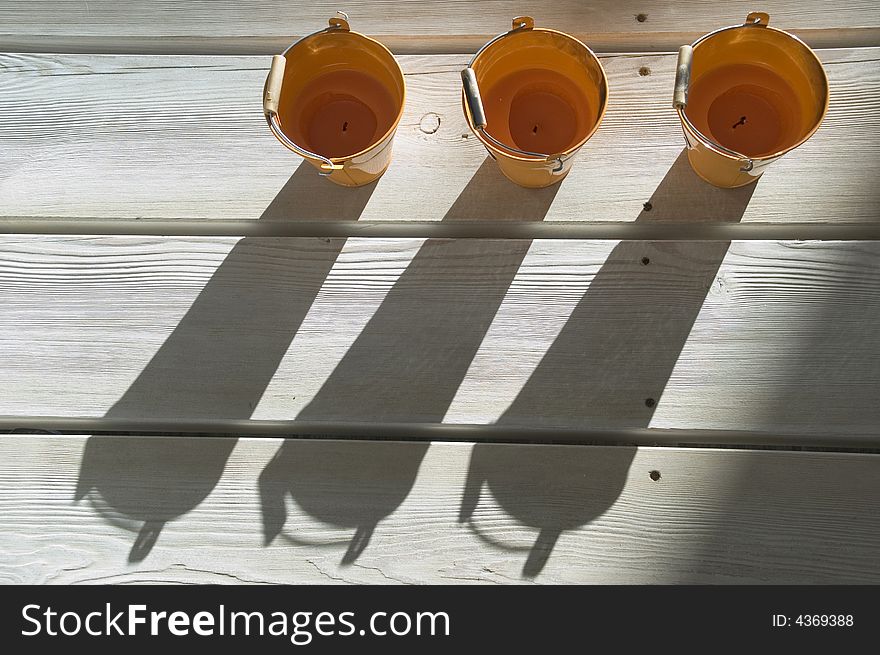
682,77
272,92
680,100
472,96
478,115
271,98
475,102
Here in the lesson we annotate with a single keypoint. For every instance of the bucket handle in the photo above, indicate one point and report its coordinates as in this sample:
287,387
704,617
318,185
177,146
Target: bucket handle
682,87
272,96
685,59
475,101
517,24
682,77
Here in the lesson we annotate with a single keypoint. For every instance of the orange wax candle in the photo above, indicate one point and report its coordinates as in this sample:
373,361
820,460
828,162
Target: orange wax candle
538,110
745,107
339,114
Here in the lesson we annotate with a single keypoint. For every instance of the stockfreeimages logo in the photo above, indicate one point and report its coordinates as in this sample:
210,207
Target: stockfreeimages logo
299,627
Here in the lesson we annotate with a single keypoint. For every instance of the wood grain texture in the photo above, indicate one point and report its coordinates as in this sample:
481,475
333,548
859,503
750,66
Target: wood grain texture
759,336
184,137
764,336
266,26
74,511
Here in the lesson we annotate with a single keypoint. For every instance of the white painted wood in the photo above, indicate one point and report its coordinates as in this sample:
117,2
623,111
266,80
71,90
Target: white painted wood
755,336
413,26
260,511
137,137
553,333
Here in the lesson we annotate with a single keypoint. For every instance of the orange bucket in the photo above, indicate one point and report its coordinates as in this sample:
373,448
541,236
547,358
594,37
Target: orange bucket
335,97
746,95
534,97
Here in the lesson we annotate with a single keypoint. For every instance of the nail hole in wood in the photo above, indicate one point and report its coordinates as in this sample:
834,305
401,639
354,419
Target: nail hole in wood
648,206
654,475
641,17
650,402
644,70
645,261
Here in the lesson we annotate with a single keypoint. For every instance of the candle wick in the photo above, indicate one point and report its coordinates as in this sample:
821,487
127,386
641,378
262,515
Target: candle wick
535,130
345,126
742,121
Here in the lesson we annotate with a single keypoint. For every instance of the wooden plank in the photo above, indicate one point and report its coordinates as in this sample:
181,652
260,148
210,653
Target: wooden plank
764,336
184,138
197,510
415,26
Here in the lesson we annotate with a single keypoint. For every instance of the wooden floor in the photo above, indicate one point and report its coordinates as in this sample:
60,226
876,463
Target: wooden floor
105,509
132,133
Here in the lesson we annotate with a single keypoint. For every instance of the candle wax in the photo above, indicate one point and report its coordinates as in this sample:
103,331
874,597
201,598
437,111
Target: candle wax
746,108
340,114
538,110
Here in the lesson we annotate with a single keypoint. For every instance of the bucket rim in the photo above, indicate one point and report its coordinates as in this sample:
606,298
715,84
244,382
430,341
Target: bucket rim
568,152
738,156
338,161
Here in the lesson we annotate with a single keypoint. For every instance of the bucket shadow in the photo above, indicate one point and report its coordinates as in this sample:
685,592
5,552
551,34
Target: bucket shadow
608,367
405,366
215,364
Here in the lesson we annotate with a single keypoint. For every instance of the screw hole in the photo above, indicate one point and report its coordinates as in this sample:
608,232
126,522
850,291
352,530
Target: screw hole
654,475
650,402
641,17
645,261
644,70
647,206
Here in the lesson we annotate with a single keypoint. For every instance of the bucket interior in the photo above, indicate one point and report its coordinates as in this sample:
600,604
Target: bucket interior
341,94
542,91
755,90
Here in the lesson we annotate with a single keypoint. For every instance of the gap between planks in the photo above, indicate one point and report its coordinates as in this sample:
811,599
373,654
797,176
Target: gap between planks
484,229
447,44
446,432
418,26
